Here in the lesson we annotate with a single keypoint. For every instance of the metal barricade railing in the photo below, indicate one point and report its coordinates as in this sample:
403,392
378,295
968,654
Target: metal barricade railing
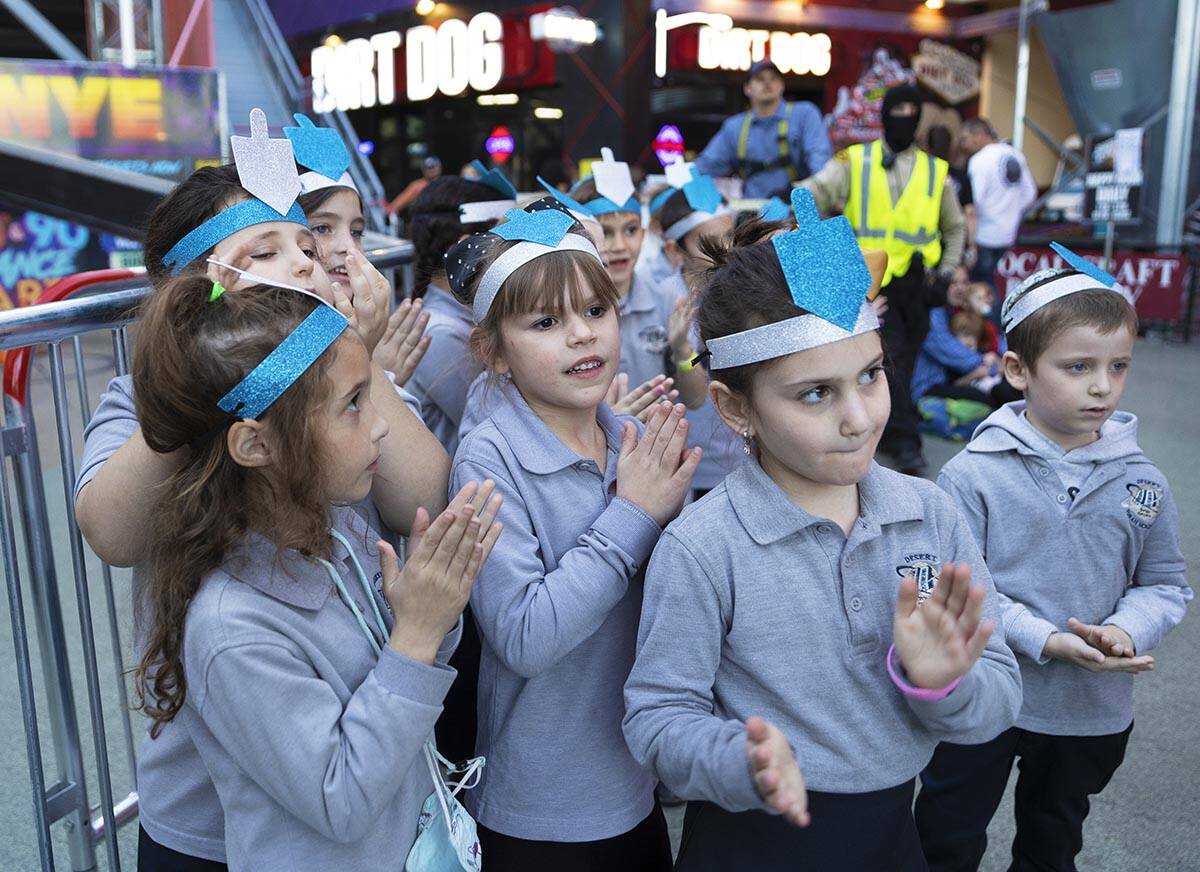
69,310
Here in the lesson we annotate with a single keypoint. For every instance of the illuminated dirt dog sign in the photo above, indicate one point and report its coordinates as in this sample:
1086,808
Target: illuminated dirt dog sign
723,46
446,59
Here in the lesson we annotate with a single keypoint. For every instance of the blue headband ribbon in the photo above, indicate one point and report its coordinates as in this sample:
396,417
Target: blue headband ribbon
223,225
279,370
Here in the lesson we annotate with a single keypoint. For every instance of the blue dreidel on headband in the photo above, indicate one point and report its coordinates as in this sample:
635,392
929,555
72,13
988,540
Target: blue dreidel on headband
1084,265
320,149
823,264
494,179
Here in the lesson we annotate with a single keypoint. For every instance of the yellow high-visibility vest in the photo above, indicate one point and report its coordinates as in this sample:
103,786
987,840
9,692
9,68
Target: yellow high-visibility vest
909,226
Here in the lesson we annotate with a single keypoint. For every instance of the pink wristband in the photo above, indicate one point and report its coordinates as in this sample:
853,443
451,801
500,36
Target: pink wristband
921,693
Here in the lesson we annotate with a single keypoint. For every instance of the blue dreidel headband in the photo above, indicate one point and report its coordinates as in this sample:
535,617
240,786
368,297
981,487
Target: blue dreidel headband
543,227
827,276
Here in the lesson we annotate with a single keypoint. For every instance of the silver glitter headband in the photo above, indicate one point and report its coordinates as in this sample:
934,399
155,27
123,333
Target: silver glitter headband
484,210
1055,289
314,181
686,225
784,337
515,258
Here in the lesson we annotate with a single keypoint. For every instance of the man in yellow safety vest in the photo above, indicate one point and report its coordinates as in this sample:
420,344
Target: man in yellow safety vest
897,200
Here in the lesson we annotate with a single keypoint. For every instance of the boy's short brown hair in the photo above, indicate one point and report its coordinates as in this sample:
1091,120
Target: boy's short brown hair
1100,308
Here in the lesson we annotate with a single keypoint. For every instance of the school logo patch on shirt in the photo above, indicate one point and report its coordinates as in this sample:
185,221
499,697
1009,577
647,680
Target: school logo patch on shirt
924,568
653,338
1143,503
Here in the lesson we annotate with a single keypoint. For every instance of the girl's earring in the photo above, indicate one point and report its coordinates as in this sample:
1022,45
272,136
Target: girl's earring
746,440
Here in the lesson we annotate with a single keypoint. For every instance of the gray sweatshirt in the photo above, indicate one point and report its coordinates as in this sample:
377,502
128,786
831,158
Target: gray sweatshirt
313,741
755,607
557,606
1107,553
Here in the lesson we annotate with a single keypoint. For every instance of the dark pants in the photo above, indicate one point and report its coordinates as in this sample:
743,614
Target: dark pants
849,832
153,857
986,261
903,331
455,729
963,785
645,848
996,397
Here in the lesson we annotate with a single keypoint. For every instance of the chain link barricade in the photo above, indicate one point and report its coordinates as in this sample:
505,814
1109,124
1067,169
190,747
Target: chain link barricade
71,783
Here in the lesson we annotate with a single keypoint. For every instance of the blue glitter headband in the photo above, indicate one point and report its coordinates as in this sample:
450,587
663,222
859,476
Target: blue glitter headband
299,350
223,225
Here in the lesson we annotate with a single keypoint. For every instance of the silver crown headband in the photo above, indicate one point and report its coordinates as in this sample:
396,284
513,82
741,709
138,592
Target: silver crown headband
515,258
784,337
1029,302
1020,304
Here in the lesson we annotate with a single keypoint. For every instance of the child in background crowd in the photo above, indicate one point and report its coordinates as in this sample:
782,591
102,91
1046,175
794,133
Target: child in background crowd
1081,534
684,215
962,363
448,209
334,210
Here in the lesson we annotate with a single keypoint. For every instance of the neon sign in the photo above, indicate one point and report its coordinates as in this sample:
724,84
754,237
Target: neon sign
722,46
668,145
445,59
500,144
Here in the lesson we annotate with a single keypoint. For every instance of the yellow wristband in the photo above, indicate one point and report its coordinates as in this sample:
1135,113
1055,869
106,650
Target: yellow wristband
686,364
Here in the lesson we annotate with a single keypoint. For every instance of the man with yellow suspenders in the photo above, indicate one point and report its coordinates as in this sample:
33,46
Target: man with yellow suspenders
772,145
897,200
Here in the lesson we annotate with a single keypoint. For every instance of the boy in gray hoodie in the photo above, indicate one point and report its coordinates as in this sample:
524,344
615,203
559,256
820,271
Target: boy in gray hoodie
1081,535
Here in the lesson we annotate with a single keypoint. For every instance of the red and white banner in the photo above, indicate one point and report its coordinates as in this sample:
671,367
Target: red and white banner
1158,281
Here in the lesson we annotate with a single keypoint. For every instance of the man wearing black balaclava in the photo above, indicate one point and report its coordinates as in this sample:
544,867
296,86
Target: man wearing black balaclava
896,198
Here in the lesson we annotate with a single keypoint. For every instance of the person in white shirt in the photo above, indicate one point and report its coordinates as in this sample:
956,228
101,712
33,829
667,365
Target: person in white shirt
1002,188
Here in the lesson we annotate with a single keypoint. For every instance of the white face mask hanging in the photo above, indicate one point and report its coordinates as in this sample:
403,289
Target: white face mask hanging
446,836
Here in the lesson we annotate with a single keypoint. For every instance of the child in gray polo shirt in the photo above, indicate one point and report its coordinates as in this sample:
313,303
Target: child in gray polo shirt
1081,535
586,494
810,628
284,640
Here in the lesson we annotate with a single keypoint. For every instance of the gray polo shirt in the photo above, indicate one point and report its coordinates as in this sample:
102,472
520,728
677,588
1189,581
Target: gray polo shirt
755,607
314,742
177,804
445,373
557,607
1104,552
645,314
